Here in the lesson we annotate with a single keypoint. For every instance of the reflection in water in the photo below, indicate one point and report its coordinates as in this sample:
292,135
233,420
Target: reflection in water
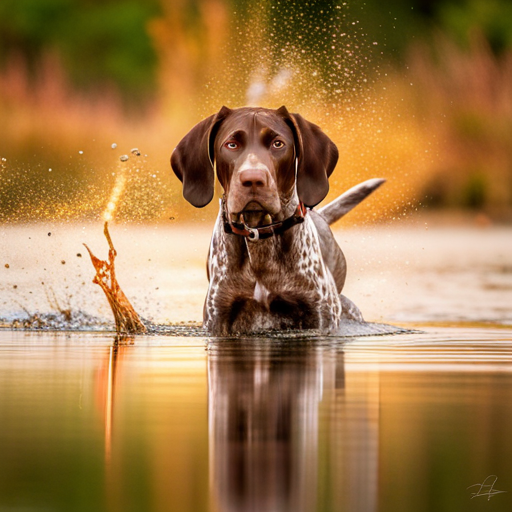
150,405
288,430
107,383
109,407
109,402
388,424
106,388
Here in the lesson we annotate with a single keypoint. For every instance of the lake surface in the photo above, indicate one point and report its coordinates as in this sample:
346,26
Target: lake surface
409,422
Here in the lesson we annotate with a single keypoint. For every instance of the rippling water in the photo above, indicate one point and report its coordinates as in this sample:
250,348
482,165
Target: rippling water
362,423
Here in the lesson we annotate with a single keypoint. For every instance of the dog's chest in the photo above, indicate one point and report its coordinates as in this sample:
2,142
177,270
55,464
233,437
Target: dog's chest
272,284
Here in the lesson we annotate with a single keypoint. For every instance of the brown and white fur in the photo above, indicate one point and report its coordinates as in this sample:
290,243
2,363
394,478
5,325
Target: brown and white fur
268,162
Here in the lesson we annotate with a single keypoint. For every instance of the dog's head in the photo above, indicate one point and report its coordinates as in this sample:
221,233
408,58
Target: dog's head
262,157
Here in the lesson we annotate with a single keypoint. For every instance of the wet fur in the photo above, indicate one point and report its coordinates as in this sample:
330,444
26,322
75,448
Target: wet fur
290,281
299,291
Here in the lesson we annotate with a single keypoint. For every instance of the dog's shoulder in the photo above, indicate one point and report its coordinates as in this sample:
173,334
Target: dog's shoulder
332,255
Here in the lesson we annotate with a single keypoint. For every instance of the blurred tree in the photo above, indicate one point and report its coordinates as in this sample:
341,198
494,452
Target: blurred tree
490,18
98,42
111,41
190,39
397,23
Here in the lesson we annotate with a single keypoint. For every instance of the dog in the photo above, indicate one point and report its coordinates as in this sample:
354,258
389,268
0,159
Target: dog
273,262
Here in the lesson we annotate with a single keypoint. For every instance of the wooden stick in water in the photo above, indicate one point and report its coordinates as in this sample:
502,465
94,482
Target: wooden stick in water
127,320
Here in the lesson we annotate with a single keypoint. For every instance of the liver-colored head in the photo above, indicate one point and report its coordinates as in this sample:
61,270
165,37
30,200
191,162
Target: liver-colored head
262,157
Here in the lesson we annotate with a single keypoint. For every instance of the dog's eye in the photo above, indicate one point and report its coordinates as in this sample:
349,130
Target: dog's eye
231,144
278,144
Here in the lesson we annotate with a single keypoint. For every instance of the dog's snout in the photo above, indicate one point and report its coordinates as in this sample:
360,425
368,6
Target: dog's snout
254,178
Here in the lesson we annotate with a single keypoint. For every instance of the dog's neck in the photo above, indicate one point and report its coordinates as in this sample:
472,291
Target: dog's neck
264,257
288,219
289,205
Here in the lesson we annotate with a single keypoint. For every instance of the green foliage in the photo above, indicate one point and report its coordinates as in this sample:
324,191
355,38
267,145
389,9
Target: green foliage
107,41
98,42
475,191
490,18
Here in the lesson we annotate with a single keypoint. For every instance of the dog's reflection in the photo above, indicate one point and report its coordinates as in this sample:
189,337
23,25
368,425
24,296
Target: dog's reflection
284,434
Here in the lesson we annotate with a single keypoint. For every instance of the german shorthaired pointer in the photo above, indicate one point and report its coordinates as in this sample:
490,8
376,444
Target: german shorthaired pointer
273,261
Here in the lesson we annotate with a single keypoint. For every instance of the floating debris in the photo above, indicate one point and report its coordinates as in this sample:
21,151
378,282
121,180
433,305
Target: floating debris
7,265
124,158
135,152
114,146
127,320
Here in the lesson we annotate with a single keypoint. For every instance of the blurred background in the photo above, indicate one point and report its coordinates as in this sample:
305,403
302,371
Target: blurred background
94,96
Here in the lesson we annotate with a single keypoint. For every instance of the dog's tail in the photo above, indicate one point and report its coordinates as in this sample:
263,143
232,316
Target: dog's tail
352,197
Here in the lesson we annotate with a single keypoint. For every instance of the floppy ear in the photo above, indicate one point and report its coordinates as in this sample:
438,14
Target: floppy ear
317,156
192,160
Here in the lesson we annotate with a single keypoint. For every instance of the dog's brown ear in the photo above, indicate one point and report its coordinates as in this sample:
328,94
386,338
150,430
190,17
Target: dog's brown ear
317,156
192,160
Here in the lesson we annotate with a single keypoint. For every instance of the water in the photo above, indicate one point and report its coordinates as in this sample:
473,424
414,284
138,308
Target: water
403,272
383,423
184,423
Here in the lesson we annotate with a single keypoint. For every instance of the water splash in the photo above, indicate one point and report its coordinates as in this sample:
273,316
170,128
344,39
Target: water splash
262,85
115,196
321,59
127,320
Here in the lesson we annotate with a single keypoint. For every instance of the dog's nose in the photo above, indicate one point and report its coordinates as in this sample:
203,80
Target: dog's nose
254,178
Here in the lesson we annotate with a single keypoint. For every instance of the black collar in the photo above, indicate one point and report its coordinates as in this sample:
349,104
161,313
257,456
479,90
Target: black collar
260,233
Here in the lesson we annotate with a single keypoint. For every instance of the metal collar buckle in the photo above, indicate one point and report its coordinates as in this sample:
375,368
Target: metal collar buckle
263,232
254,234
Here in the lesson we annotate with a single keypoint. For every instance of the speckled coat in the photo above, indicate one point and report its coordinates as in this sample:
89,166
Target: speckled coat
270,164
282,282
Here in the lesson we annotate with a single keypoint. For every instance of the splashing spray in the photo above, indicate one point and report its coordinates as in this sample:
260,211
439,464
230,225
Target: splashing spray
117,192
126,318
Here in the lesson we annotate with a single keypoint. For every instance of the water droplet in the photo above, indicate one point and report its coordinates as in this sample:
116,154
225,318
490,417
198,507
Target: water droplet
123,158
114,145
